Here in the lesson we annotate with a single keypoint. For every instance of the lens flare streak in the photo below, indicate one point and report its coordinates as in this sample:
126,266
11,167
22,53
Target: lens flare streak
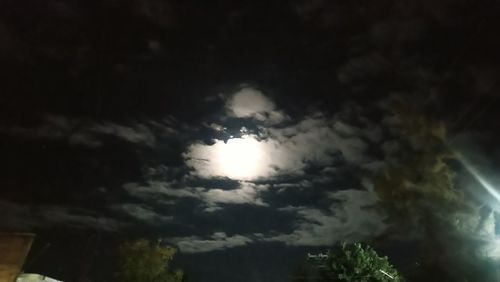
485,184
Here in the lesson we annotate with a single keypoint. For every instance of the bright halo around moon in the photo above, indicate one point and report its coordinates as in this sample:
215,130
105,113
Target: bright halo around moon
239,158
244,158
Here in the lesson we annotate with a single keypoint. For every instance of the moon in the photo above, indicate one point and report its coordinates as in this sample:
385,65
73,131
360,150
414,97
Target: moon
239,158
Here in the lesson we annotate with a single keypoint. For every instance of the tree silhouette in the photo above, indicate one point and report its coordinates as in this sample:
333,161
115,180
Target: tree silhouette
143,261
349,263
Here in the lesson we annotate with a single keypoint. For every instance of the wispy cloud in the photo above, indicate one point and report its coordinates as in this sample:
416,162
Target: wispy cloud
216,242
142,213
92,133
348,219
24,218
79,219
246,193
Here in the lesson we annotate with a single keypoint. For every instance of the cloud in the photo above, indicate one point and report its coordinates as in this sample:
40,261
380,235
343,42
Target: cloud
316,140
24,218
89,133
216,242
142,213
251,103
79,219
154,189
136,133
348,219
246,193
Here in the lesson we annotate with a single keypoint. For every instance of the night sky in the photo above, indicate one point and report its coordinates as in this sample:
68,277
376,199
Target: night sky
244,133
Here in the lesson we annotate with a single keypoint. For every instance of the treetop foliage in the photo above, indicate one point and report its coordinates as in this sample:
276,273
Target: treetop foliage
143,261
357,262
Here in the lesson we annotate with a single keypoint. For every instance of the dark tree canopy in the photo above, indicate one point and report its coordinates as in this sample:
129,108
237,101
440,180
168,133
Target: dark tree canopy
418,194
349,263
357,262
143,261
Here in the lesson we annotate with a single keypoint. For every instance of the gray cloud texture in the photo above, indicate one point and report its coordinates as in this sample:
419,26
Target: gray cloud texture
251,103
246,193
286,148
22,217
317,139
142,213
215,242
350,218
91,133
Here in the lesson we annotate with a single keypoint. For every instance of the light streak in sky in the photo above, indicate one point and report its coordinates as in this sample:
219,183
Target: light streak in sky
492,247
475,173
386,274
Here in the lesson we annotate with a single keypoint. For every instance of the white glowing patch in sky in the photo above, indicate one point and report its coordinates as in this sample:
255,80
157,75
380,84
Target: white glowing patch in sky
249,102
240,158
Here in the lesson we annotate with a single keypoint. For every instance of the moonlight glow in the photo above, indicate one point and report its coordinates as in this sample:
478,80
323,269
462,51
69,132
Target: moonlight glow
239,158
244,158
